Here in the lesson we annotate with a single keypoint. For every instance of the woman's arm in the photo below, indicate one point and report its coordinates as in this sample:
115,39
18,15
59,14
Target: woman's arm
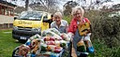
71,27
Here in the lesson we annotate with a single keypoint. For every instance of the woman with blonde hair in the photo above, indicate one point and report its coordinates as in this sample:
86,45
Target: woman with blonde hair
74,31
58,23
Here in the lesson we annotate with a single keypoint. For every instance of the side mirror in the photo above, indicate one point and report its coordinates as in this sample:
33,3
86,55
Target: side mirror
15,18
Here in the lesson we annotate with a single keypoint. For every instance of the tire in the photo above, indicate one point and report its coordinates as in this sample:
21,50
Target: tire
22,41
14,52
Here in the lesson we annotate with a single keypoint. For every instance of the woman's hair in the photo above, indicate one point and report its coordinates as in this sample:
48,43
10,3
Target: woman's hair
58,14
75,10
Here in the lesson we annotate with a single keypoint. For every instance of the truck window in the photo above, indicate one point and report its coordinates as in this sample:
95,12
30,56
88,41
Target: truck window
31,15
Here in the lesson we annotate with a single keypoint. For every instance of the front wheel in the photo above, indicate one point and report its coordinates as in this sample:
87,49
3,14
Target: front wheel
15,52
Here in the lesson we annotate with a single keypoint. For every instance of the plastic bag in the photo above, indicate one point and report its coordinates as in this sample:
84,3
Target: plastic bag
55,31
65,37
88,43
52,34
48,38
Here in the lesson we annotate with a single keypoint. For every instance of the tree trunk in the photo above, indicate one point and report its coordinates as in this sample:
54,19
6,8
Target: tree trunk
26,4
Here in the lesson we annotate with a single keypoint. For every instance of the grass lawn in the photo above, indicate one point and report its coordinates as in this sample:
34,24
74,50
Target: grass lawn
7,43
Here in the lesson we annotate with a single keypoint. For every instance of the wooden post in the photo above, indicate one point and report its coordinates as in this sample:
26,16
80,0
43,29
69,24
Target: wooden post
0,9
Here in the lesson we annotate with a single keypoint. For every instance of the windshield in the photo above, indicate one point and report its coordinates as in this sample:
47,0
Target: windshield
30,15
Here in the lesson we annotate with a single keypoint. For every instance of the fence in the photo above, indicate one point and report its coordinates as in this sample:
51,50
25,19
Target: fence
6,25
6,21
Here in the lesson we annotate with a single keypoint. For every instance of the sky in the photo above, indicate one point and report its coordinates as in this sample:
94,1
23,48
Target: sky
116,1
62,2
22,3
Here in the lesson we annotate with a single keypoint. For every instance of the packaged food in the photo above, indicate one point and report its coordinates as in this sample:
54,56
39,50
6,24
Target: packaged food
57,43
61,43
52,34
57,49
48,38
54,48
50,42
57,37
36,36
81,46
23,50
35,45
55,31
43,47
64,36
47,32
50,47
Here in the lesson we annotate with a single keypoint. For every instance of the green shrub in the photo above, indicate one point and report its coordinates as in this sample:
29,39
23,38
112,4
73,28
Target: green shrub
67,18
105,33
104,27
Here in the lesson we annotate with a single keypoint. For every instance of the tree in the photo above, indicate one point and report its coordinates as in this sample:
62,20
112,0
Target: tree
68,7
97,3
26,4
92,4
46,5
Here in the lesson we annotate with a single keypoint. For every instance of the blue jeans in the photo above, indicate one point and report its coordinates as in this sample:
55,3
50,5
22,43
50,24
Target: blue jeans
77,37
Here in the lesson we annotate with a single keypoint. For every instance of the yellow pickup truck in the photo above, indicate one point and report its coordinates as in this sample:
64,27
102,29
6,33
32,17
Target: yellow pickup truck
29,23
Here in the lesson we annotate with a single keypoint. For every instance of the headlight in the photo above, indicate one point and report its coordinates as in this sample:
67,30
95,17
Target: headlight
36,29
15,27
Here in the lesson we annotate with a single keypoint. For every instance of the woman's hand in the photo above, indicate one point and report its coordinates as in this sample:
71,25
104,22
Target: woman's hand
70,35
